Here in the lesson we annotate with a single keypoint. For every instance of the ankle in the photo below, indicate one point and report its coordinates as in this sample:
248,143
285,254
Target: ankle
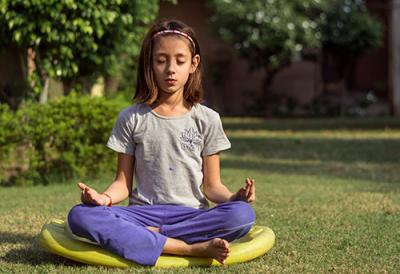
197,248
154,229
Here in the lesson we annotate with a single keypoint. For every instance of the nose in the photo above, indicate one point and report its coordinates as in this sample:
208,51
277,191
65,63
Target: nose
171,68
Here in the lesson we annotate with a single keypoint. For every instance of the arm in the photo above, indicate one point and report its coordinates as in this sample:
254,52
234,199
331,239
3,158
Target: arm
118,190
216,191
213,187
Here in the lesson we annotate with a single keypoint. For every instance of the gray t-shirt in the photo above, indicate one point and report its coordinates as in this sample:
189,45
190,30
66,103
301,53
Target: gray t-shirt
168,152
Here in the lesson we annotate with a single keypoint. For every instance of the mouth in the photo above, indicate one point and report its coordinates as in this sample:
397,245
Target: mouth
170,81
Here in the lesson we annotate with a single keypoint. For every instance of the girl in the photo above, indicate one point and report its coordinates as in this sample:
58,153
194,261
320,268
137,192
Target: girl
171,143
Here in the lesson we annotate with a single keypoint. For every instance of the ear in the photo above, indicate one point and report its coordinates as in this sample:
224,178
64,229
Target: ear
195,63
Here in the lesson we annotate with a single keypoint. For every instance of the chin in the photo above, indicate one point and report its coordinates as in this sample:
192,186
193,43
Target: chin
170,91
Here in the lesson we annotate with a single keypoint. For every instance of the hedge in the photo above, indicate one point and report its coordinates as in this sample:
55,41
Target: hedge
47,143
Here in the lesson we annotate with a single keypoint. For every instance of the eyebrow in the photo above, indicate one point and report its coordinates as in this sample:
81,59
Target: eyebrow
176,55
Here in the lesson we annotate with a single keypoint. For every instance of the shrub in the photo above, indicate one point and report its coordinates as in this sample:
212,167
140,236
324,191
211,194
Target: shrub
9,137
65,138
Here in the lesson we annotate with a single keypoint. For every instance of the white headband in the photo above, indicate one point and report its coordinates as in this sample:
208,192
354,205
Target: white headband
177,32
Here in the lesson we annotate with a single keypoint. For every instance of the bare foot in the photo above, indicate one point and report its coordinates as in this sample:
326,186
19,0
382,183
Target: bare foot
216,248
152,228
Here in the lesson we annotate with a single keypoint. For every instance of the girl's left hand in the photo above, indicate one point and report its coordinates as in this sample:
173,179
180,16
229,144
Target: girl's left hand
246,193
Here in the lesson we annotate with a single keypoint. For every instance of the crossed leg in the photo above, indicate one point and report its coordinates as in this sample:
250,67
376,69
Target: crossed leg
173,230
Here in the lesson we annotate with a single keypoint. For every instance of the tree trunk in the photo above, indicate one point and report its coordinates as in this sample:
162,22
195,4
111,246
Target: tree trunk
67,86
111,84
347,65
23,63
44,94
269,77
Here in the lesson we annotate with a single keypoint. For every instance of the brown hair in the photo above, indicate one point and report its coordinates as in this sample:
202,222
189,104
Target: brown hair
146,87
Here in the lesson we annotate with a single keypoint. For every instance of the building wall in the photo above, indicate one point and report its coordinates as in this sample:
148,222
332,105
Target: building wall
231,88
372,69
226,79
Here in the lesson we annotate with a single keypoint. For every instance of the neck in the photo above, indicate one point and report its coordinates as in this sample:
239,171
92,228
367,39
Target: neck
171,100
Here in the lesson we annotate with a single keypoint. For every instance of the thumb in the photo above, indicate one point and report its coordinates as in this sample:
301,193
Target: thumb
81,185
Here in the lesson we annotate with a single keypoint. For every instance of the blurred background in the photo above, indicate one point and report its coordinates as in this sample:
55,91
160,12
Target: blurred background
261,58
68,67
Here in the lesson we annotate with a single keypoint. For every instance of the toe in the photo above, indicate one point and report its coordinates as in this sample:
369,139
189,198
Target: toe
219,243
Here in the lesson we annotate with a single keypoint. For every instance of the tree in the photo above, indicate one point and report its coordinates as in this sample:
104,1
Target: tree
74,40
268,33
348,30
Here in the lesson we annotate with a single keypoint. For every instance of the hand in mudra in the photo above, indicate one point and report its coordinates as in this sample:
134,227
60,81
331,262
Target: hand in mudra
246,193
91,196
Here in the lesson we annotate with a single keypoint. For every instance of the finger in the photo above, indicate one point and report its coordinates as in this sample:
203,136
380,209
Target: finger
253,186
86,190
249,194
239,195
247,187
81,185
249,183
92,194
245,183
252,197
84,196
85,199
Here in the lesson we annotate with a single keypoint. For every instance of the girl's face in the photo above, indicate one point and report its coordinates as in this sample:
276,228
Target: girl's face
173,63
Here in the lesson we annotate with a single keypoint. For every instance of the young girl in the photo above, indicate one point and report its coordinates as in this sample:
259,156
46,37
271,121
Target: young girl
171,143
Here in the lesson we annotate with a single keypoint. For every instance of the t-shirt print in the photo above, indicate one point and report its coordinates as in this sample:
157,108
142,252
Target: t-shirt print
190,139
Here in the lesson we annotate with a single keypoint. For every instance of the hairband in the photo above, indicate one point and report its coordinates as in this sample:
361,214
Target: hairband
177,32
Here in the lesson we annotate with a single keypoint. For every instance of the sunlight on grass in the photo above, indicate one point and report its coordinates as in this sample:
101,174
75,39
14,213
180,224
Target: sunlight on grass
330,190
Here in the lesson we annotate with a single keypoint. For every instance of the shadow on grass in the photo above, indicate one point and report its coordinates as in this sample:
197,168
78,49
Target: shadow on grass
320,170
376,160
14,238
310,124
379,151
32,253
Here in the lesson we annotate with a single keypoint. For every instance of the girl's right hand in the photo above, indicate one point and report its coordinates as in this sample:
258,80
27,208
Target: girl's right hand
91,196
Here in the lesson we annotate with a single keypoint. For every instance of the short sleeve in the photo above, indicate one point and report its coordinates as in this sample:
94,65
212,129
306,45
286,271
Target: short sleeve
121,138
215,139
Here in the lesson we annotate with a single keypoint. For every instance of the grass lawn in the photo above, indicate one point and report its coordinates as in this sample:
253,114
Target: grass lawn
330,190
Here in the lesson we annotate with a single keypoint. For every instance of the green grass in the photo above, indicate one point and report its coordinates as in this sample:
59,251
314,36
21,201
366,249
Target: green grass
330,190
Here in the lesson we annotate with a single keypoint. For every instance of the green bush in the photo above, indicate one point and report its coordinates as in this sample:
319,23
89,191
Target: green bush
65,138
9,137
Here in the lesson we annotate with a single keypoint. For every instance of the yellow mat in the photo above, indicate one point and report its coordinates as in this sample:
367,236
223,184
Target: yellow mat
55,239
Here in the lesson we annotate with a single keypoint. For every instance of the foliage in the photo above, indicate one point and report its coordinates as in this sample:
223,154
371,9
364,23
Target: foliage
267,33
9,136
347,27
65,137
72,38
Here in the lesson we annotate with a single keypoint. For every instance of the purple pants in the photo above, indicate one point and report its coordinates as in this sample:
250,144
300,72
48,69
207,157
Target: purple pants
121,229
